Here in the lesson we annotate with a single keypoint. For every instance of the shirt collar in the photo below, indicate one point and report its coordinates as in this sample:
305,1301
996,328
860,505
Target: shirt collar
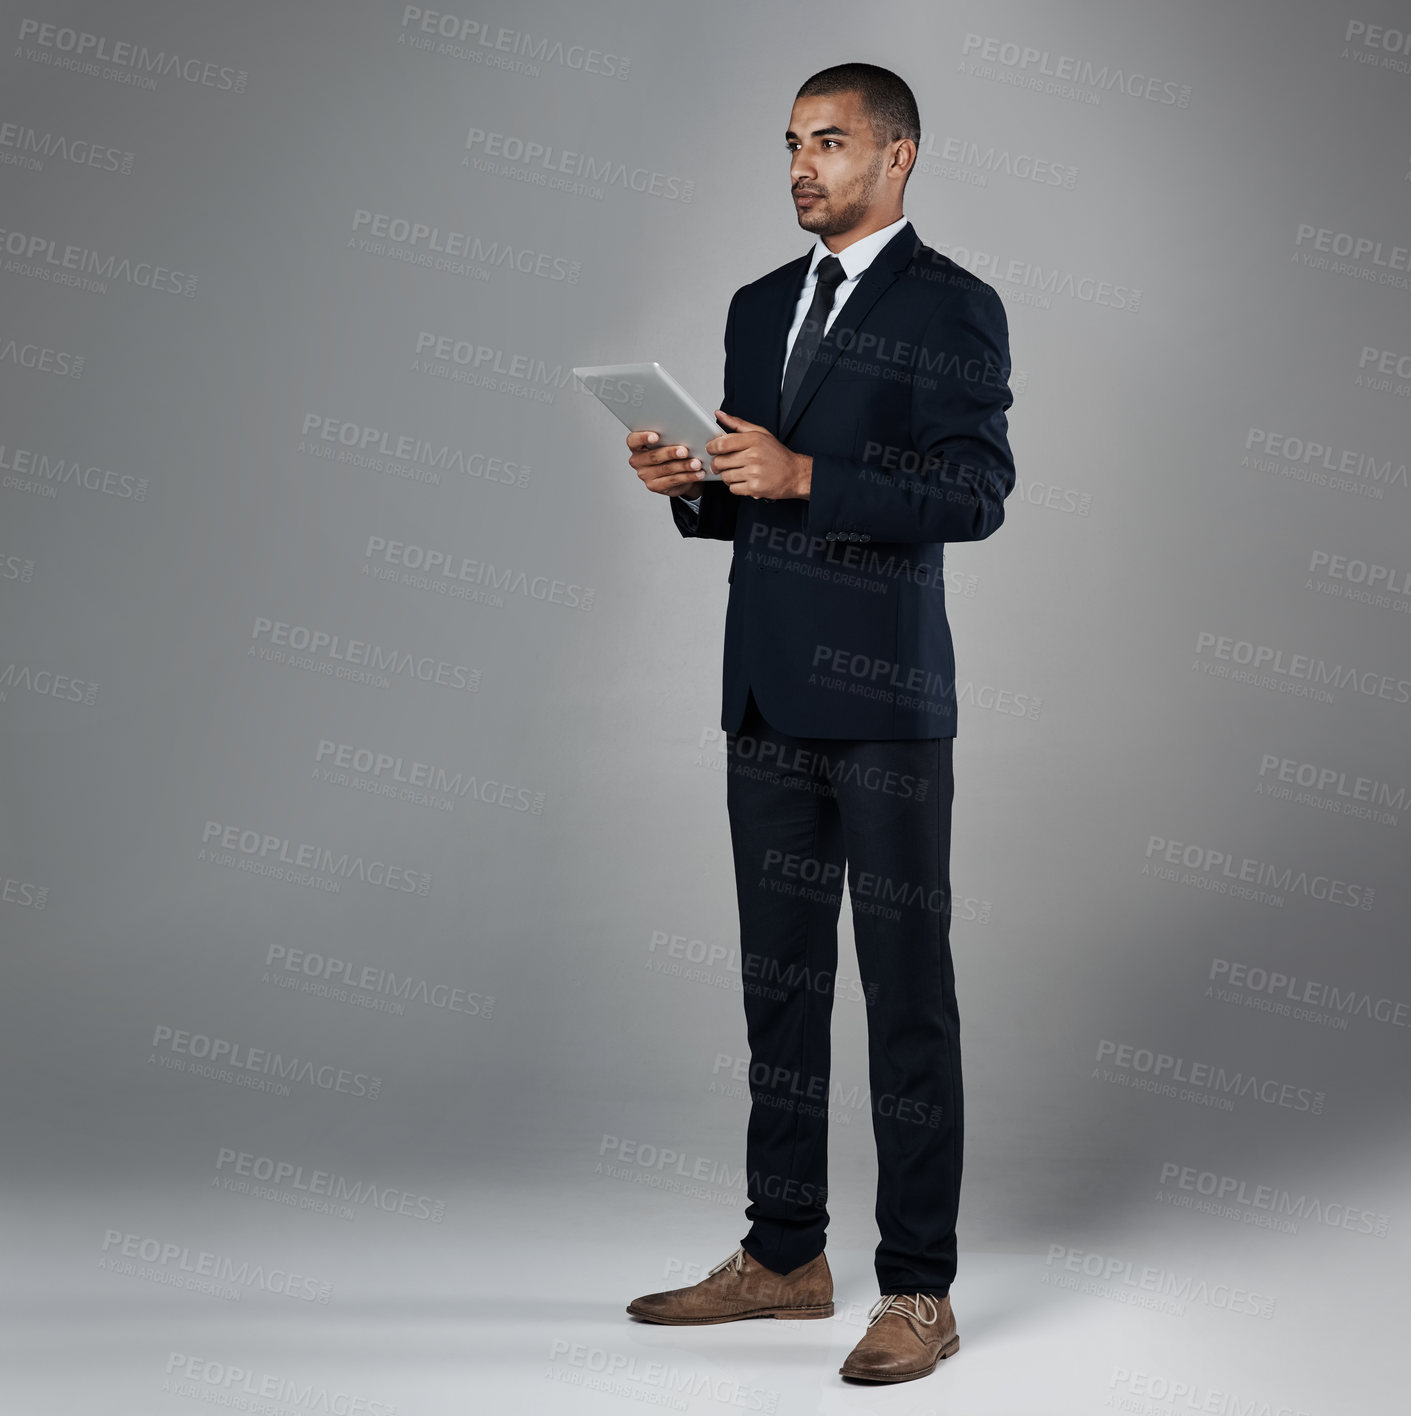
858,256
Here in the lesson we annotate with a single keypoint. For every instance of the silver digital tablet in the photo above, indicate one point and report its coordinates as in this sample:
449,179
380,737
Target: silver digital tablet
646,396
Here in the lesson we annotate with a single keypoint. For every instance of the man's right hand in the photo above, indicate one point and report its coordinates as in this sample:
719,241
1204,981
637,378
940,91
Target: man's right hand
664,469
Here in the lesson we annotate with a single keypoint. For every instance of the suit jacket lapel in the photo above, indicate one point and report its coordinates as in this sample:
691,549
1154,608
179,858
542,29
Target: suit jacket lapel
889,262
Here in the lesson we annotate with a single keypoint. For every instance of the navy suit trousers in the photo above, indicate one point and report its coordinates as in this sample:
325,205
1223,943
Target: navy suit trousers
802,811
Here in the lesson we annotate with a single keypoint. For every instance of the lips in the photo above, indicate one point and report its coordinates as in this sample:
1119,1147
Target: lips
804,198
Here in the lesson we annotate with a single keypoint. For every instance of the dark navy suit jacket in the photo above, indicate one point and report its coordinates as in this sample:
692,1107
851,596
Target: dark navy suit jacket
837,612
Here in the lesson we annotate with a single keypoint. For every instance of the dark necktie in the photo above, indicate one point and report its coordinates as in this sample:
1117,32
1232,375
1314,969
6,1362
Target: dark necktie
810,335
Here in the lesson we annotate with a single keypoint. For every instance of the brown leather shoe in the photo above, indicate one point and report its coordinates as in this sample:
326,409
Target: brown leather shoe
907,1334
741,1287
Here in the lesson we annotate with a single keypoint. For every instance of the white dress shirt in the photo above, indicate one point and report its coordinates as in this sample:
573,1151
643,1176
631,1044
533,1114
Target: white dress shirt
855,259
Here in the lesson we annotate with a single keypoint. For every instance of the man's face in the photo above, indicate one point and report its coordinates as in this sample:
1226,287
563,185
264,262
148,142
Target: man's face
836,168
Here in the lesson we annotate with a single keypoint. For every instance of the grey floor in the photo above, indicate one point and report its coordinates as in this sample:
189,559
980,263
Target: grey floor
514,1302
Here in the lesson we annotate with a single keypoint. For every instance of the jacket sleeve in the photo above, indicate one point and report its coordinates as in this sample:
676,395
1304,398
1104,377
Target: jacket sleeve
948,479
714,516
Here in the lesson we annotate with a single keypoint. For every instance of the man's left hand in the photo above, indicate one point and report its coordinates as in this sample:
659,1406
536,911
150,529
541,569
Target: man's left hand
754,463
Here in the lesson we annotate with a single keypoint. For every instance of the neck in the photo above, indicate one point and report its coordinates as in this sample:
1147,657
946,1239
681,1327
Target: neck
844,239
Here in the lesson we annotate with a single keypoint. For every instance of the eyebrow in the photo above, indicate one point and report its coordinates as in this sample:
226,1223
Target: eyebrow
820,132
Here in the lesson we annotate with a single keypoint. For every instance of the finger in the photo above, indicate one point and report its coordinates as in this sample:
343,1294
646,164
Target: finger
665,460
743,424
655,471
679,481
641,437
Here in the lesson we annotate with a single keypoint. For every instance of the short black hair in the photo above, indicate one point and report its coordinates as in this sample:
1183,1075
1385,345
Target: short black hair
887,100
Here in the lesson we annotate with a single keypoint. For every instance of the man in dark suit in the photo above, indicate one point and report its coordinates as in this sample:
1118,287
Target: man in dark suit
865,394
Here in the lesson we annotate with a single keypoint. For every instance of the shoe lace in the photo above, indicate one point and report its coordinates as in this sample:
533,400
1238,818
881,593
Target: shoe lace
890,1301
736,1261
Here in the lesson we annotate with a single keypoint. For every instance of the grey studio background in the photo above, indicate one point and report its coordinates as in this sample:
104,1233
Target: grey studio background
371,1006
